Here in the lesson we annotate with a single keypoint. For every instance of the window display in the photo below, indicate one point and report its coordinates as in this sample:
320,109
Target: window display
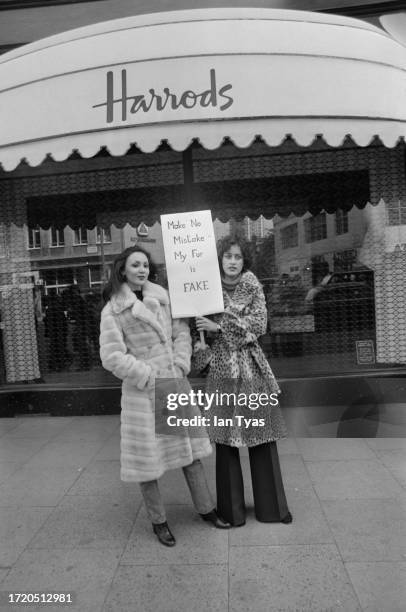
325,229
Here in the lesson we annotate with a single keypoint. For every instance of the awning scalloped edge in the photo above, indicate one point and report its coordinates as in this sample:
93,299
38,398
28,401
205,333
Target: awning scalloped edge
210,135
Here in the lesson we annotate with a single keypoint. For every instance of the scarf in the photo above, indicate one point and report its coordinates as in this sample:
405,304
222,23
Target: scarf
230,285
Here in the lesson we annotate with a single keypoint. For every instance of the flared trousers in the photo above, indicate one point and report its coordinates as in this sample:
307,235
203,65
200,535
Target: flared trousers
267,485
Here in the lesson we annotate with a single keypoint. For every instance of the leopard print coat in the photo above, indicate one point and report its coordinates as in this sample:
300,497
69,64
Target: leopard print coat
239,366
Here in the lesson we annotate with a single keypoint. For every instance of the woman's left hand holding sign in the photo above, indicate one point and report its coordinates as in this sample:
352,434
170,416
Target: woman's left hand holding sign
204,324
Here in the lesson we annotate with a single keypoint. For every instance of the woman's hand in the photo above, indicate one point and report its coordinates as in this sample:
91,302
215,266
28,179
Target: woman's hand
204,324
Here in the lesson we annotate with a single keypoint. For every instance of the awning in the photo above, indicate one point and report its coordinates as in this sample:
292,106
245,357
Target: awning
201,74
281,195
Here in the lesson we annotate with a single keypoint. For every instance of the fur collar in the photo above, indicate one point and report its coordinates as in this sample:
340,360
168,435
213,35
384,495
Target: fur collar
244,291
154,295
148,310
249,281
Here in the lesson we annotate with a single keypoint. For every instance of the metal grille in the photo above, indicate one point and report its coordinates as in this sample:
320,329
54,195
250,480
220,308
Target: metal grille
355,320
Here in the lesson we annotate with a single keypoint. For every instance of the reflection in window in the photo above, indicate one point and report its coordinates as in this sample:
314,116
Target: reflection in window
289,236
105,233
345,260
34,238
80,236
95,276
57,279
3,238
341,221
57,237
315,228
396,211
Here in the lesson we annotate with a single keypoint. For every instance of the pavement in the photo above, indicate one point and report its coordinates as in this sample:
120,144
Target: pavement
68,524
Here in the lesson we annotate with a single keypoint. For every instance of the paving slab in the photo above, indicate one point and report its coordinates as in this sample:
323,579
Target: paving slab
84,436
86,573
197,541
309,525
37,486
294,472
395,462
368,529
380,586
355,428
17,528
322,430
3,573
309,578
7,468
355,479
40,427
65,454
110,450
103,478
316,449
7,425
169,588
386,443
109,422
88,522
287,446
389,430
20,449
89,429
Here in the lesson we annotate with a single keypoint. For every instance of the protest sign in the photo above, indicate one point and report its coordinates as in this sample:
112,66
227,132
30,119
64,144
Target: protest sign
191,264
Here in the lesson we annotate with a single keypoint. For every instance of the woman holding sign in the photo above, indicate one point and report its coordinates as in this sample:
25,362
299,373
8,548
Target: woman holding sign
140,343
248,413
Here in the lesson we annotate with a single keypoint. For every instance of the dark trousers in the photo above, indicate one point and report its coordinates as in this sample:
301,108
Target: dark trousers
269,494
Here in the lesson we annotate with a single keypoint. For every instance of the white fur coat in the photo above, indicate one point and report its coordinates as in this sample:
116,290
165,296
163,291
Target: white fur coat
139,342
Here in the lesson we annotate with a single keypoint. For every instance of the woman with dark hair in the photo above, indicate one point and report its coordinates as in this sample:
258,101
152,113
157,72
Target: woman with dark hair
239,368
140,343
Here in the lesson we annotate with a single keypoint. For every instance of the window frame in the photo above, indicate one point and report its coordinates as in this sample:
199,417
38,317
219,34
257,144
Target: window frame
99,232
294,236
314,224
341,222
80,229
59,233
31,232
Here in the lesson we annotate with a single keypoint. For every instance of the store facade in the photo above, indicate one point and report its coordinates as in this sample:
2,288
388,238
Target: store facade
271,119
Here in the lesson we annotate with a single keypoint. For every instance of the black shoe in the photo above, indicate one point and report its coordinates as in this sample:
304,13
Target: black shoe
287,519
216,520
163,533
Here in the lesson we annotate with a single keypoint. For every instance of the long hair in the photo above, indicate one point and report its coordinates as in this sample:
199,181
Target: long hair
117,277
225,244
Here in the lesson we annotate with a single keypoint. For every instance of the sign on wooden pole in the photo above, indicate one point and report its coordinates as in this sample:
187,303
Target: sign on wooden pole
191,264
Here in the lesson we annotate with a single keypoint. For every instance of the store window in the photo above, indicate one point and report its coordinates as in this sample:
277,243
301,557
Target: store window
341,222
289,236
315,228
334,303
